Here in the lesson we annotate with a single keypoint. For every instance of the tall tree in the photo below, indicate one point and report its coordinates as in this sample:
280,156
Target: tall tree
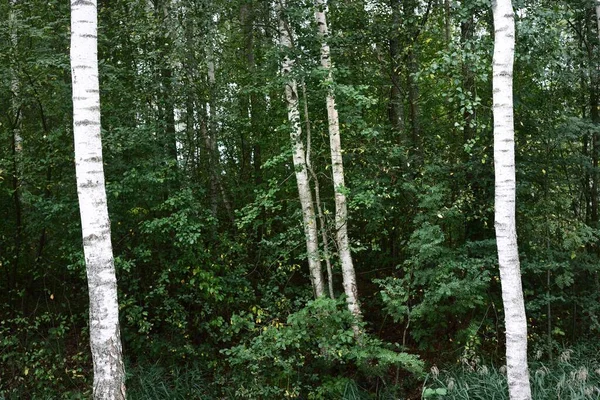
505,194
16,145
300,167
105,340
320,214
598,16
335,142
396,104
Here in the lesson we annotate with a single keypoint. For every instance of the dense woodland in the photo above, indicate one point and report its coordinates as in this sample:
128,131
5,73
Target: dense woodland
215,273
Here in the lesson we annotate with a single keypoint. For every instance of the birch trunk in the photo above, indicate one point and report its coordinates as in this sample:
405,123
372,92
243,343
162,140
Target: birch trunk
598,16
396,102
299,159
14,111
341,212
105,341
315,178
505,194
209,134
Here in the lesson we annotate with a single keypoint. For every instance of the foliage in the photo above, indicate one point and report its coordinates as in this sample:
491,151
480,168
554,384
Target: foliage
34,362
215,297
287,359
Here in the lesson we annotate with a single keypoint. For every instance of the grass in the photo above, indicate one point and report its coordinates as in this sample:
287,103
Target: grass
153,382
573,375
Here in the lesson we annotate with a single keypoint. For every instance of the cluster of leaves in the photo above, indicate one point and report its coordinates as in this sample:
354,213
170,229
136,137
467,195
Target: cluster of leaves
290,359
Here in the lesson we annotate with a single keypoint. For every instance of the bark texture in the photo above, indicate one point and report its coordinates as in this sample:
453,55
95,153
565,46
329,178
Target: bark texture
341,211
105,341
396,102
505,194
299,158
320,214
598,16
14,112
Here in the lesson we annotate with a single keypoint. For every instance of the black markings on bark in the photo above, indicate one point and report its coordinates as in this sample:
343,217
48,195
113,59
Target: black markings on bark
89,239
82,3
86,122
88,184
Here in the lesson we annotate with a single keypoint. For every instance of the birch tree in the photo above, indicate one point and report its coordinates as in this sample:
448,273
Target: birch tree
317,187
14,112
105,341
505,194
299,159
598,16
341,210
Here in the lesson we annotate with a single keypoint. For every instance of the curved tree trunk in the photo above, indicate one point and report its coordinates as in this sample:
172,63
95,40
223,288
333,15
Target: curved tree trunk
505,194
341,211
105,341
299,158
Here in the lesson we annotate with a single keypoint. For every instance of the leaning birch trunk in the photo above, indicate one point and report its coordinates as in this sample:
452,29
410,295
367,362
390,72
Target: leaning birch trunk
105,341
505,194
341,211
304,192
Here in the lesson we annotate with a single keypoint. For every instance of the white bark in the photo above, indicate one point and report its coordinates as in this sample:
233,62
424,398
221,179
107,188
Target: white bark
317,197
105,341
505,194
341,211
304,192
14,79
598,16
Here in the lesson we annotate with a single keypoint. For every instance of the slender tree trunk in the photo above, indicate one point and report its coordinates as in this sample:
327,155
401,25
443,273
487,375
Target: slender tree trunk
16,148
254,100
597,9
209,132
413,100
326,254
304,192
594,83
396,103
447,20
412,86
341,212
217,189
253,104
466,36
190,68
16,195
505,221
105,340
170,139
595,119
